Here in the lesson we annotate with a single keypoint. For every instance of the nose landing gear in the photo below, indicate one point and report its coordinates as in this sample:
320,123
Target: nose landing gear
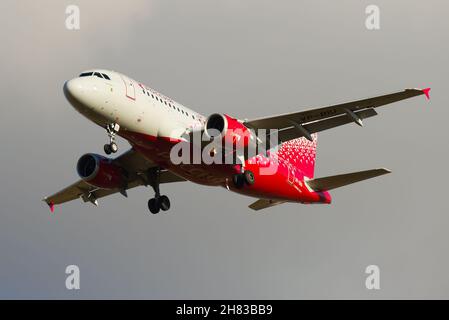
112,130
110,148
158,202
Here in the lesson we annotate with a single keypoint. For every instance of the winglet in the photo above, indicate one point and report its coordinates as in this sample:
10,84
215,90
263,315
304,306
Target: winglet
426,92
51,205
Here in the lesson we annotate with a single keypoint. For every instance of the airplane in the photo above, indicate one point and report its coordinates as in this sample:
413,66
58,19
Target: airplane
153,124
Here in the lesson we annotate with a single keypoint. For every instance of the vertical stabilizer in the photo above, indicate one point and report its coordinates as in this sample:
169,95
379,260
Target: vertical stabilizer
301,154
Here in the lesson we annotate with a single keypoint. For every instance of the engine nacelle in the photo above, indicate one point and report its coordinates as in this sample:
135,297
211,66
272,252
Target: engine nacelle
229,130
100,171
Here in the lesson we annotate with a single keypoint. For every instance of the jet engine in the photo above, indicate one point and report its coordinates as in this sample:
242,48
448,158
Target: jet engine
230,130
100,172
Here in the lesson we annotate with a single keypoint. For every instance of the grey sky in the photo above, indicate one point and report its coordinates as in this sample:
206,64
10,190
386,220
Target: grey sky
249,59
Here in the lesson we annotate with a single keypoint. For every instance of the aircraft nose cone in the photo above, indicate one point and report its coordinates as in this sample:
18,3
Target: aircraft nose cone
84,94
73,89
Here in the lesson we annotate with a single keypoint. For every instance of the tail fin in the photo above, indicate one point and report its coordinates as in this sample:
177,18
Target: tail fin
301,153
332,182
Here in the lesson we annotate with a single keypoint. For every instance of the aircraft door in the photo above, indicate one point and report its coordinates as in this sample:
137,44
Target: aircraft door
130,90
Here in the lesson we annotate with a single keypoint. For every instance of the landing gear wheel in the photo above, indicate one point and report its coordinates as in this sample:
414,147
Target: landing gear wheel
153,205
107,149
158,202
249,177
164,203
113,147
112,130
238,180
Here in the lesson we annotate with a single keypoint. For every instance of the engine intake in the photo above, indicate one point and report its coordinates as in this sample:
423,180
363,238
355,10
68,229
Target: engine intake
226,127
231,135
216,124
100,171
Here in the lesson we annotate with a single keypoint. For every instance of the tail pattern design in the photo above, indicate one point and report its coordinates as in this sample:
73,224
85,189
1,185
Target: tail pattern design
300,153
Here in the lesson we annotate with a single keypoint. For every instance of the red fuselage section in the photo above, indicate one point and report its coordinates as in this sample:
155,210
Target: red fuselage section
280,175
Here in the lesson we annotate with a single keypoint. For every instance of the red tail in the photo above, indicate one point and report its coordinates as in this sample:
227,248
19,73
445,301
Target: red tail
301,154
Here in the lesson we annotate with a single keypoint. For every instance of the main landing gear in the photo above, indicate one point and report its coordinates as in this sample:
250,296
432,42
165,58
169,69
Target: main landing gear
112,130
158,202
240,179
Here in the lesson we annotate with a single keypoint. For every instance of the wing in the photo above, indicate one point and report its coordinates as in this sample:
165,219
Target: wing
135,165
304,123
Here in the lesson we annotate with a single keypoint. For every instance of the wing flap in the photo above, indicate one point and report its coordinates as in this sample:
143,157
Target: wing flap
337,181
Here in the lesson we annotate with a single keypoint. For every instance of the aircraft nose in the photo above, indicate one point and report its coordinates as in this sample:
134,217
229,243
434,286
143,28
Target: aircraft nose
73,89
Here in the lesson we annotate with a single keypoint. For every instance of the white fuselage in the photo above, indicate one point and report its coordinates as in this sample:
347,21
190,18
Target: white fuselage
134,106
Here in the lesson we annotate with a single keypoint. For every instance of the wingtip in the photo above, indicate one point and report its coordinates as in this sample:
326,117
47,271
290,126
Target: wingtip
50,204
426,92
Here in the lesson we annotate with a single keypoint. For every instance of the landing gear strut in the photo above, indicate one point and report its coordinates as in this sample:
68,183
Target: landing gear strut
240,179
158,202
112,130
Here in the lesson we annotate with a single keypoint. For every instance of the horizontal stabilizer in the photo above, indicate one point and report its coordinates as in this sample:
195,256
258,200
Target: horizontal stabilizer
332,182
264,203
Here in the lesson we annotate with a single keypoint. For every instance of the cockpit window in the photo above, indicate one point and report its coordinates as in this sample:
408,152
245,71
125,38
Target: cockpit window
96,74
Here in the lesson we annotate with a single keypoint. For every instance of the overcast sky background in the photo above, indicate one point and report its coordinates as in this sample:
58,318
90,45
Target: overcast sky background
248,59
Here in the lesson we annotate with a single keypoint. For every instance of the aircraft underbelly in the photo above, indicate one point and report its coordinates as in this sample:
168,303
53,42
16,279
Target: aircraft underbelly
282,183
